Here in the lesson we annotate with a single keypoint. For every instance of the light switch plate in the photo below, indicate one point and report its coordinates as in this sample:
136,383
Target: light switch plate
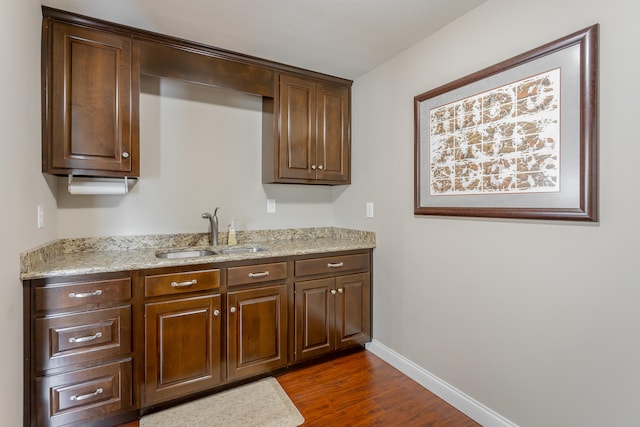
271,205
369,209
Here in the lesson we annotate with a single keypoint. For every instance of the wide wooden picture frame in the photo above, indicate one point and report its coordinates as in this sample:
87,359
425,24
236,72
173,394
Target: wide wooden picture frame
516,140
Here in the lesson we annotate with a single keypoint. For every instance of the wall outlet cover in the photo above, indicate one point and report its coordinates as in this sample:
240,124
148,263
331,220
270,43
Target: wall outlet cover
40,216
271,205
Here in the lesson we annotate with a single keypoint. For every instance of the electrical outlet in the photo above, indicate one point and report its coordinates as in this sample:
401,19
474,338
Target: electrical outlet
369,209
40,216
271,205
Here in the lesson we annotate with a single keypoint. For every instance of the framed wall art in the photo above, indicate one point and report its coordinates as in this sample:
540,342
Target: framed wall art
515,140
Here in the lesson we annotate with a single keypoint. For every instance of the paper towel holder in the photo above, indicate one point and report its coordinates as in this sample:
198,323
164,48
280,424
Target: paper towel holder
98,186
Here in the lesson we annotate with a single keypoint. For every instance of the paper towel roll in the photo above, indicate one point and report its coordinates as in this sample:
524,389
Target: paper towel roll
97,186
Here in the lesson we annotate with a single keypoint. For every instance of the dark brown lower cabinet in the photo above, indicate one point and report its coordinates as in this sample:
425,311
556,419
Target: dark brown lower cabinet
331,313
78,350
101,349
182,348
256,331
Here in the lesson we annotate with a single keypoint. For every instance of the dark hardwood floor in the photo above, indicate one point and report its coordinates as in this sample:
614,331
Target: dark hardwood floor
360,389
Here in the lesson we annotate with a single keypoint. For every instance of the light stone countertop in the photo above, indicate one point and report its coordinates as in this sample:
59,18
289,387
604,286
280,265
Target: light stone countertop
67,257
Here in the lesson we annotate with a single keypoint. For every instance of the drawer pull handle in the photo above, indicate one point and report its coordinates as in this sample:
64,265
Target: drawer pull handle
86,294
255,275
97,335
335,265
87,396
183,284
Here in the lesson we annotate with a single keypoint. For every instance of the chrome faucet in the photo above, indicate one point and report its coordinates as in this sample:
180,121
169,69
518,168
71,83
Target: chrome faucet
213,220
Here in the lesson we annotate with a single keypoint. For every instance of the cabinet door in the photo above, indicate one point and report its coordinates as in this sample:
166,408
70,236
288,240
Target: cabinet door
182,349
257,334
353,309
92,103
296,156
314,317
332,143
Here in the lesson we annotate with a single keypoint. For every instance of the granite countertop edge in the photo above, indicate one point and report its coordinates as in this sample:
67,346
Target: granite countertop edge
68,257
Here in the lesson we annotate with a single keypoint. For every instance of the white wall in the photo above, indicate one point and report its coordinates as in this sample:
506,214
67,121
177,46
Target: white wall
23,186
547,331
200,148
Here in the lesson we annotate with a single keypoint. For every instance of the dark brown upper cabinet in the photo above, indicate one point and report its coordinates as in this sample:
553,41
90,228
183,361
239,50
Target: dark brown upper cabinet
311,143
91,89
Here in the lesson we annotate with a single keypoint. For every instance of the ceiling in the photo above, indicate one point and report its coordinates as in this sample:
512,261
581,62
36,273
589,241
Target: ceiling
345,38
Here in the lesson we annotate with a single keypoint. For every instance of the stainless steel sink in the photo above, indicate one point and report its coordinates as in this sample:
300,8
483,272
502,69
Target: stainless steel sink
185,253
240,250
195,253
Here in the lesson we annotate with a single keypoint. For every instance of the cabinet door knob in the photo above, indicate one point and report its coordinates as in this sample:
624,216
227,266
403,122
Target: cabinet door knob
216,313
333,291
313,167
125,155
340,290
320,167
232,309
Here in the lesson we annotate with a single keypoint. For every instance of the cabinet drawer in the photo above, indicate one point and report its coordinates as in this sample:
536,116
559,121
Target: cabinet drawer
256,273
335,264
80,395
178,283
71,295
82,337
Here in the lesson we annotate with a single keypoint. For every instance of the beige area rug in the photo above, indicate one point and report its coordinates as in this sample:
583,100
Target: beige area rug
259,404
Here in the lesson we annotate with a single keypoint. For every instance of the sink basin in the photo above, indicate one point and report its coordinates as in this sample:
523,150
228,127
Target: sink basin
185,254
240,250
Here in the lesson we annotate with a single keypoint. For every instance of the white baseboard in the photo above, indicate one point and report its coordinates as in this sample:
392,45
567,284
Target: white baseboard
465,404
